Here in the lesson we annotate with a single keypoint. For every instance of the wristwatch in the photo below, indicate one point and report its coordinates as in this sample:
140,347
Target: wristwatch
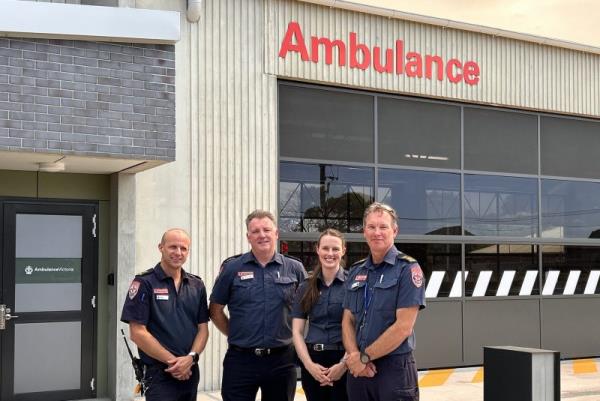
364,357
195,356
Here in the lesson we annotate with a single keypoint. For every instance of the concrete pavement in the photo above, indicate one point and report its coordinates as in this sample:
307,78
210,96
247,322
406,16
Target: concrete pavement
580,381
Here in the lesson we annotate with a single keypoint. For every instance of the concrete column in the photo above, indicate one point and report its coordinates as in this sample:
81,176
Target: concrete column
121,380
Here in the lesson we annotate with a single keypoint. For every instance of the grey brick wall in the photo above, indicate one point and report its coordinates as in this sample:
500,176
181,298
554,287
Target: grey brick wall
88,98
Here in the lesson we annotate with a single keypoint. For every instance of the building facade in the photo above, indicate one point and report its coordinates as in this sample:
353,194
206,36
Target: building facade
483,140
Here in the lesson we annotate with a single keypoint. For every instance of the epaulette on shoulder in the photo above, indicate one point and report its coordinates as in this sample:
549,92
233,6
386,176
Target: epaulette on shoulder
294,258
146,272
229,259
358,262
194,275
406,258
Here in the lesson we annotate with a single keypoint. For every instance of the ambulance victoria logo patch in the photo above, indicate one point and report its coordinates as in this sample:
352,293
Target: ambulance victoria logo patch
133,289
417,275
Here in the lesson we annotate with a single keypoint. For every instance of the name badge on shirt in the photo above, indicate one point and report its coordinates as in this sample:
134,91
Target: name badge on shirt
360,277
162,294
246,275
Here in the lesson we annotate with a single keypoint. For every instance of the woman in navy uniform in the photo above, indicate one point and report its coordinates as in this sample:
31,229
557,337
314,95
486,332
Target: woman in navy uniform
319,300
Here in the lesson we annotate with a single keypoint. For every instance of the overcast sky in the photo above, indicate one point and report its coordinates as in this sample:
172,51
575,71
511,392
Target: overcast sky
571,20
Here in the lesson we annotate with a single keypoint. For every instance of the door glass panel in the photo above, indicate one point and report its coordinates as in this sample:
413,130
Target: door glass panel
48,263
47,357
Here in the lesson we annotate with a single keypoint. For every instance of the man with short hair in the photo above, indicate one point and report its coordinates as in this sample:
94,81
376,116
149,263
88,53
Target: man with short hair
258,288
384,294
167,312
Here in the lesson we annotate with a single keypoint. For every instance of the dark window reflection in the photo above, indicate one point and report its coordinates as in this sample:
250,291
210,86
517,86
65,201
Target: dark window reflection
305,251
323,124
313,197
501,206
440,264
418,133
498,140
501,270
570,209
570,270
426,202
569,147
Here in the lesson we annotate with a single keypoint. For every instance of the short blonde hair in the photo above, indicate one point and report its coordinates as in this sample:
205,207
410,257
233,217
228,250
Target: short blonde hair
381,208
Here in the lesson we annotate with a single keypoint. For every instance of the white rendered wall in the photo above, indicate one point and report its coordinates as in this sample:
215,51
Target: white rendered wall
226,162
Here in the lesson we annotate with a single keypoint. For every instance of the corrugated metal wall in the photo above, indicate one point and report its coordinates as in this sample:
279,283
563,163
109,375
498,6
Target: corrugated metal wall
233,140
513,73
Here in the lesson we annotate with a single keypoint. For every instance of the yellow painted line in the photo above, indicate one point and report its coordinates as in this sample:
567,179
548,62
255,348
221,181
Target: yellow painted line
478,378
584,366
435,377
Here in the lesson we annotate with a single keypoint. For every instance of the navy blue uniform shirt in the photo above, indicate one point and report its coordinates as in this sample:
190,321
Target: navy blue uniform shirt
172,317
259,299
375,292
325,317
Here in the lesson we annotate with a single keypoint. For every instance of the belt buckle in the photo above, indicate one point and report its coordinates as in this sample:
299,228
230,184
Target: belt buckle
319,347
261,351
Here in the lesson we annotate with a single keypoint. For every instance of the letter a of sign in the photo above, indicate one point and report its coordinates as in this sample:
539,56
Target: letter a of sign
287,45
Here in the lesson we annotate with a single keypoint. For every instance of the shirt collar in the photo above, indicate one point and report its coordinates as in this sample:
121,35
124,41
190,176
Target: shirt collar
249,257
389,258
338,276
161,275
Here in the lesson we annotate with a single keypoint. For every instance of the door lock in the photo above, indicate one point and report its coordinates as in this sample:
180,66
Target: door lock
5,316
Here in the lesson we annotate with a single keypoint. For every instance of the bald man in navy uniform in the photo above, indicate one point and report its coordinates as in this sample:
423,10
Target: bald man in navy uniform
167,312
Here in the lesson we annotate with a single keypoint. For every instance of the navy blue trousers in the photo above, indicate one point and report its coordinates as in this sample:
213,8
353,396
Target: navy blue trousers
244,373
161,386
313,389
396,380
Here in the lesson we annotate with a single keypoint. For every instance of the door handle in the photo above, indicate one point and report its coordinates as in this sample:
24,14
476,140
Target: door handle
8,316
4,316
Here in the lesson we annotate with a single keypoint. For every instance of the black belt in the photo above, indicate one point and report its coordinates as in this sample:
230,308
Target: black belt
325,347
260,351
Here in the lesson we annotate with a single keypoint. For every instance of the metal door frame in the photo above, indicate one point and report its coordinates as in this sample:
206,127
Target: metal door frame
9,208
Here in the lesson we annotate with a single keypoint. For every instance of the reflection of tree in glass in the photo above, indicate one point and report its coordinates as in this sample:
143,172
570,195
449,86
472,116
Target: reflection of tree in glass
343,212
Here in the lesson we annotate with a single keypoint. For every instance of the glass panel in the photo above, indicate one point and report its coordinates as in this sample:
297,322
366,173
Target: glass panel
426,202
48,236
500,141
47,357
325,124
570,209
569,148
305,251
418,133
440,264
501,270
48,263
570,269
313,197
501,206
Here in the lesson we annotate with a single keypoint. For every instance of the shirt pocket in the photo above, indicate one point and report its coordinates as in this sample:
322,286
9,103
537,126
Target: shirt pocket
242,290
286,288
356,297
384,297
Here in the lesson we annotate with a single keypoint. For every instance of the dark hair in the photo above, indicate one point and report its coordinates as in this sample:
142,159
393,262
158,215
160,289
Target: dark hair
312,291
260,214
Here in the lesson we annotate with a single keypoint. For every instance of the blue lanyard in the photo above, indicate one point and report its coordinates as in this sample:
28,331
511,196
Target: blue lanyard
368,295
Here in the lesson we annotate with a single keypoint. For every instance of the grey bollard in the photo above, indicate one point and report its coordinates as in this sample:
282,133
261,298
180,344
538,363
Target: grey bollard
520,374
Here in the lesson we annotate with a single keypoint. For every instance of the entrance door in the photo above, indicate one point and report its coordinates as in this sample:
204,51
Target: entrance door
47,300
